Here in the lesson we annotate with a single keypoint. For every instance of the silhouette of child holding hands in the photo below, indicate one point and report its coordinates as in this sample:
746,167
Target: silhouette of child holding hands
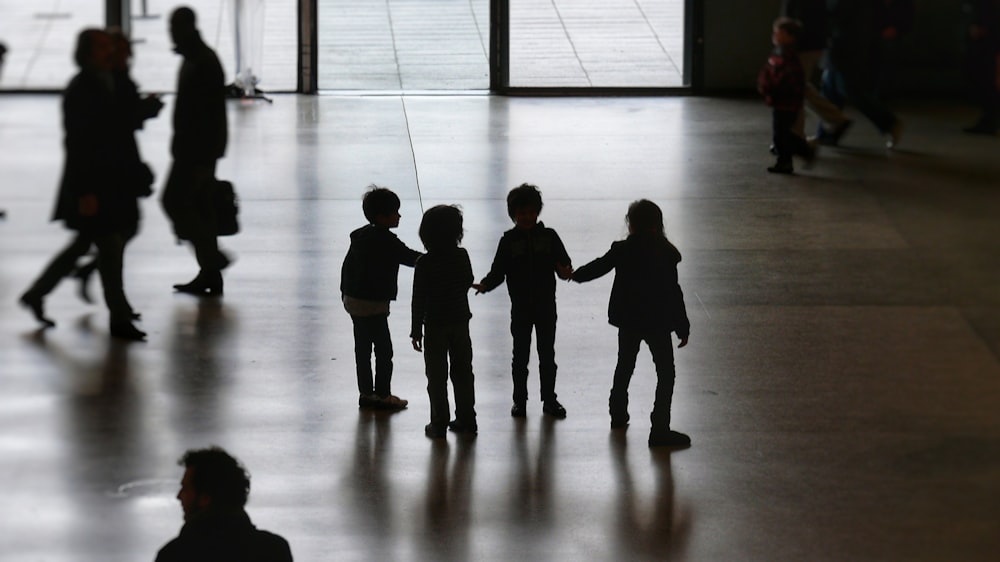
368,284
440,327
529,256
646,305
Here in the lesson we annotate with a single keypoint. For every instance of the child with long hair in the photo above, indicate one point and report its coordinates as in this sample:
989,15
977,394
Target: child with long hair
646,306
440,326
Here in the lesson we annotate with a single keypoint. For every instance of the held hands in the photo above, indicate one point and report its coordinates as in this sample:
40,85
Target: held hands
479,288
418,344
565,272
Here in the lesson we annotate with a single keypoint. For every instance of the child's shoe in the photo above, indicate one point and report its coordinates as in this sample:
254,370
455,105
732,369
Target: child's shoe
369,401
781,168
434,431
518,410
669,438
459,427
393,402
554,409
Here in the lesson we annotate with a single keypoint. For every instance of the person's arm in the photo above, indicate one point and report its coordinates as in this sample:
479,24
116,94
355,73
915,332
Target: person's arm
497,272
563,265
418,306
404,254
597,268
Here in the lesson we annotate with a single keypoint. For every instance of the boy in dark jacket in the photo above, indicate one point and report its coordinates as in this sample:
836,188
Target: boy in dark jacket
646,305
529,256
367,284
782,82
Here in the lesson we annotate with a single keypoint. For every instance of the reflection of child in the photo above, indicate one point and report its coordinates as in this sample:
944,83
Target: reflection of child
368,283
782,83
646,305
528,256
440,326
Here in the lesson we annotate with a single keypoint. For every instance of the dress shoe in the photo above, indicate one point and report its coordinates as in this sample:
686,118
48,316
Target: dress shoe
200,287
518,410
36,305
127,331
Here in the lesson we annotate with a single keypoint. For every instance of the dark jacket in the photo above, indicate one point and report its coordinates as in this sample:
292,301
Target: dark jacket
441,283
645,294
781,81
226,537
92,166
372,264
200,129
527,259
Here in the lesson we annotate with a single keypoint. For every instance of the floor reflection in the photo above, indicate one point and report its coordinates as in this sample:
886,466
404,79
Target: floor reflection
371,491
447,500
194,368
650,528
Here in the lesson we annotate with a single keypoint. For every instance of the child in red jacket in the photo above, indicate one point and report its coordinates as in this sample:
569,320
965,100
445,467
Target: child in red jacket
782,83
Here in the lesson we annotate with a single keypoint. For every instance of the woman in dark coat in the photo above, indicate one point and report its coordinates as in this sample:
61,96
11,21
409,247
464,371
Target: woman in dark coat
93,198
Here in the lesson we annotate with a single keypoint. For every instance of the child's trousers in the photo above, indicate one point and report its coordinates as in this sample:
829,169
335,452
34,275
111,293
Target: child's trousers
660,347
372,332
543,320
444,344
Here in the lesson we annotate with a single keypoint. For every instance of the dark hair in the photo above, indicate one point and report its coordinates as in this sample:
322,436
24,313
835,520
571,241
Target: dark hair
645,218
183,17
791,26
217,474
85,45
524,195
379,201
441,227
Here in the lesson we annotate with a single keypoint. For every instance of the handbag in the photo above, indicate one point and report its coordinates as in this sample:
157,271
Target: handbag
227,208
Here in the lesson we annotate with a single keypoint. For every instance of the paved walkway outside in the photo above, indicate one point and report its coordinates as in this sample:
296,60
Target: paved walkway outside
376,44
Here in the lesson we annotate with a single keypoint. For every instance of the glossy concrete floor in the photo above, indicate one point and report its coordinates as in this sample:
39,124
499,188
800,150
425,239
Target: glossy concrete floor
841,384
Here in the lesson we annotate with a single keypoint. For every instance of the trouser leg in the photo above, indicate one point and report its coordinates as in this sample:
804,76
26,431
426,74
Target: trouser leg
383,356
110,250
545,341
61,265
462,377
520,331
436,369
628,349
363,341
660,347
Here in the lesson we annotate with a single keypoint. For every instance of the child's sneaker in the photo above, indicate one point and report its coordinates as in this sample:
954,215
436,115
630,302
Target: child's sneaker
672,439
393,402
369,401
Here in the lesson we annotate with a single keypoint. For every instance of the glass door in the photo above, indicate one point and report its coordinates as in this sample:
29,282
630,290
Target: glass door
596,43
403,45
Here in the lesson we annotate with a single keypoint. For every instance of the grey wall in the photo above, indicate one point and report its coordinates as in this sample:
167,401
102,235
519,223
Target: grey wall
737,39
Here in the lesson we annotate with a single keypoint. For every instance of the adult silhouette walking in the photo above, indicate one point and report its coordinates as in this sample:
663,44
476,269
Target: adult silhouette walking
199,141
94,198
132,112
